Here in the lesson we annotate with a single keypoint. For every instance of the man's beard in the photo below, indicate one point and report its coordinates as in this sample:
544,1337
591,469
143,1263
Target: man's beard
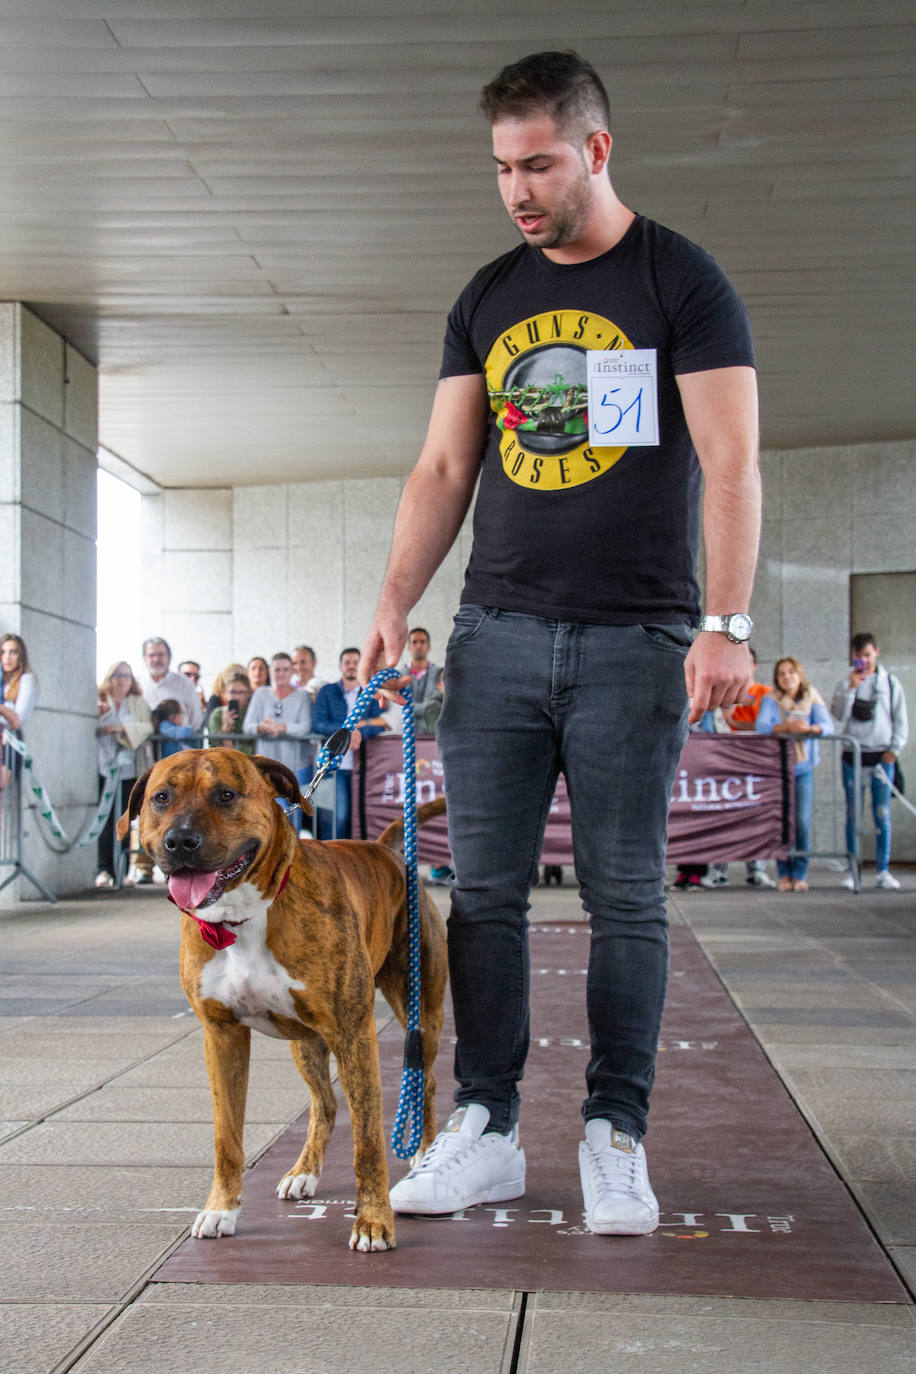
567,223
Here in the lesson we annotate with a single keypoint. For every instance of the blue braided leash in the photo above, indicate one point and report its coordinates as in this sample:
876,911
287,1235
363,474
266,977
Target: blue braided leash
410,1102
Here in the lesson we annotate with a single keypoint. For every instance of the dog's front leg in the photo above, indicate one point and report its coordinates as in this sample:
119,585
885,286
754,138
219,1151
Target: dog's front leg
361,1080
227,1048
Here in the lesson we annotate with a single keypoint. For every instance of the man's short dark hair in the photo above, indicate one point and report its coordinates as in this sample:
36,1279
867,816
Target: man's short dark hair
282,654
862,641
418,630
186,662
352,650
561,84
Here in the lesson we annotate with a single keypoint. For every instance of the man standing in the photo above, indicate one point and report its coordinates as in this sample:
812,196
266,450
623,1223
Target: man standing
304,664
425,681
333,704
158,684
870,705
572,646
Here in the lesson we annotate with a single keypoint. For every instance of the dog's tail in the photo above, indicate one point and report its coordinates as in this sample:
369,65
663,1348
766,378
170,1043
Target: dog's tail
393,835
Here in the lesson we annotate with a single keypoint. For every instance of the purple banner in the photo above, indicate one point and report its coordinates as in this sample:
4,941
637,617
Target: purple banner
733,799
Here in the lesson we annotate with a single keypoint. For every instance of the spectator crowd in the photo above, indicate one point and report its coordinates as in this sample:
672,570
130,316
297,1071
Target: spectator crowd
281,707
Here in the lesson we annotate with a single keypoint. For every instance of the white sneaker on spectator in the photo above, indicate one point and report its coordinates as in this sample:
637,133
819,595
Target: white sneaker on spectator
618,1197
463,1167
849,883
886,880
713,879
760,879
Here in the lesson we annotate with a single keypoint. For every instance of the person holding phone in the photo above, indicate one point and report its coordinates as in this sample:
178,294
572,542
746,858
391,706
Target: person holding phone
229,718
869,704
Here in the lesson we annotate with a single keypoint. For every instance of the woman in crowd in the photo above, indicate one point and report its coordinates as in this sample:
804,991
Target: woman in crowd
281,717
796,710
20,686
124,726
229,719
258,673
218,695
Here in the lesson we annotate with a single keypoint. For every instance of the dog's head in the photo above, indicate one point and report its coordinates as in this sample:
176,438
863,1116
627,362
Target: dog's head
210,820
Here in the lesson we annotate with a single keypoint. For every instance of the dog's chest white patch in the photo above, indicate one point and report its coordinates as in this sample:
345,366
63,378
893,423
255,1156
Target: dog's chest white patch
245,977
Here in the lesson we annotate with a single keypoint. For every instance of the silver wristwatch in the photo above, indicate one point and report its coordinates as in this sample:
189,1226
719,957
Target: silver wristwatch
737,627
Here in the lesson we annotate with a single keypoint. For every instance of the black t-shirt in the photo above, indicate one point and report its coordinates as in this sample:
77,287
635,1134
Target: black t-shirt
562,529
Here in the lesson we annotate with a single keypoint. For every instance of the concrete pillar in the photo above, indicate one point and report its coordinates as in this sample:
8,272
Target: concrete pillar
48,430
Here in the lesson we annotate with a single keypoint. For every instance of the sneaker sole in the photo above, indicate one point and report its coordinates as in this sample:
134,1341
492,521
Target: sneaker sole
502,1192
607,1228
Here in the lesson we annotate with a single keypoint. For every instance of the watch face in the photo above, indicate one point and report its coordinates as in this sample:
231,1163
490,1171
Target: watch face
740,626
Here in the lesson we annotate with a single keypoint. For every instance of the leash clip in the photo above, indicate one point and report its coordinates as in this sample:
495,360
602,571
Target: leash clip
334,747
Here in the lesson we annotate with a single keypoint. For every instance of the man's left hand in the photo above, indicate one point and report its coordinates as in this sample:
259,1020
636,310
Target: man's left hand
717,673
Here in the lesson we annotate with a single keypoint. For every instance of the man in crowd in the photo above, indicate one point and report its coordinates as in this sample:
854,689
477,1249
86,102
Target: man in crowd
190,669
333,704
869,704
158,684
425,681
572,646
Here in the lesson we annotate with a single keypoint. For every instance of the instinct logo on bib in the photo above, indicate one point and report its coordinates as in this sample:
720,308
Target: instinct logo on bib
536,381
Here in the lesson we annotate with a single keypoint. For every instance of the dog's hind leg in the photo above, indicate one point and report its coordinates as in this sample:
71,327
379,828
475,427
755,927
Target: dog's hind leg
311,1057
356,1051
227,1048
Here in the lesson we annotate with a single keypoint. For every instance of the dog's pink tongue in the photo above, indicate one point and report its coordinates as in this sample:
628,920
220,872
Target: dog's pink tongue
188,888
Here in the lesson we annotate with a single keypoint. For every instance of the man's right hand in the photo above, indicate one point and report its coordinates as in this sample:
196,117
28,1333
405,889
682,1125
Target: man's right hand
382,649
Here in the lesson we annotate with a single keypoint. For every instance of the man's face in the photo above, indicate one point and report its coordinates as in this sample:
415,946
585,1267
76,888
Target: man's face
304,664
349,665
419,647
192,671
281,670
156,658
543,180
870,654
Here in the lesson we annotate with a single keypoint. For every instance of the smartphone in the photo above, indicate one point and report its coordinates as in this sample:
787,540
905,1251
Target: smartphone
860,664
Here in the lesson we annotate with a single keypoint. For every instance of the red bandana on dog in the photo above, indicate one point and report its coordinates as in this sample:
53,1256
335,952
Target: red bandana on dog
196,888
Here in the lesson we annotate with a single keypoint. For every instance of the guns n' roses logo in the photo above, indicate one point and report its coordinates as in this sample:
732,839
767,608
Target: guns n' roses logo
536,383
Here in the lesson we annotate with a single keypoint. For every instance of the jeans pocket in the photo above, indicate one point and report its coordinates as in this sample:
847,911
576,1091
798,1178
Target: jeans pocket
467,623
673,637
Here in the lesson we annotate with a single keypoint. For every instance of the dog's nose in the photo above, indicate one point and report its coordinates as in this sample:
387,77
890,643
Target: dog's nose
182,841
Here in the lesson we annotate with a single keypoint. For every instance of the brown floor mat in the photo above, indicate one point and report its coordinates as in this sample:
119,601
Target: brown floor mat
751,1207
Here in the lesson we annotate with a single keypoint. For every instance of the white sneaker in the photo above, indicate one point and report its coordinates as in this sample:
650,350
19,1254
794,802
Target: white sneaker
760,879
463,1167
849,883
714,880
886,880
618,1197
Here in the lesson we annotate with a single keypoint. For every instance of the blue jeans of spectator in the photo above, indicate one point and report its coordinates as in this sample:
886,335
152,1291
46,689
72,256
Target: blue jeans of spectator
881,810
797,868
343,780
527,698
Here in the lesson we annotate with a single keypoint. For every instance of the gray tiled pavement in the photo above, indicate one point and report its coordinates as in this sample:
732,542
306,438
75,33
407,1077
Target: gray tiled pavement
105,1156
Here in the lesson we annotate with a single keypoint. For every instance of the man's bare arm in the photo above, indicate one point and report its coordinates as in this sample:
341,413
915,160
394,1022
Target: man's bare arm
721,411
433,505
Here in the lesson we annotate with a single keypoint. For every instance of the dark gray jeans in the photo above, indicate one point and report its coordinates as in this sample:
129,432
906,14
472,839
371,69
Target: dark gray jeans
526,699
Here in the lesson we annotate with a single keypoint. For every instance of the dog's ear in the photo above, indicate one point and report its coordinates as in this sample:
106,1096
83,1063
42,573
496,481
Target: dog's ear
283,781
138,792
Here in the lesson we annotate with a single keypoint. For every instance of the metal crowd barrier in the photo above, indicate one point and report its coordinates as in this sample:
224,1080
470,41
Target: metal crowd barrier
827,828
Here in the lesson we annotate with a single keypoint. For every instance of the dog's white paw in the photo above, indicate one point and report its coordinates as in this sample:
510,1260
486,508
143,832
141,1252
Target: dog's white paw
297,1186
210,1225
366,1245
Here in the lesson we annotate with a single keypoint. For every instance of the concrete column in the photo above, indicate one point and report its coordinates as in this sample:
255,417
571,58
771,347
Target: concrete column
48,432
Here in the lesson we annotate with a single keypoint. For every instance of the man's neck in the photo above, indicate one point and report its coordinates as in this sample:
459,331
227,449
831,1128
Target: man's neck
157,677
607,224
419,666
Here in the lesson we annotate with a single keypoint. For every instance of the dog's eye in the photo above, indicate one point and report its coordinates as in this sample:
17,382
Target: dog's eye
225,795
161,798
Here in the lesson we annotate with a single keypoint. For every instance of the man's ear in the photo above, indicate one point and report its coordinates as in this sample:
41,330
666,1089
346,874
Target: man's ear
283,781
138,792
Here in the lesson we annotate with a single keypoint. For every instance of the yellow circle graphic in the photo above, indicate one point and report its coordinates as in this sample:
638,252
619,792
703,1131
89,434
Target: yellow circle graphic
536,383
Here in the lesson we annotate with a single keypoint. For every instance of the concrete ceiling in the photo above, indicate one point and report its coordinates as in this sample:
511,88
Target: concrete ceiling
254,216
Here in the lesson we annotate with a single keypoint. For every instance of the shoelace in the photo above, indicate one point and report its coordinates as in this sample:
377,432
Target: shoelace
608,1165
446,1151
